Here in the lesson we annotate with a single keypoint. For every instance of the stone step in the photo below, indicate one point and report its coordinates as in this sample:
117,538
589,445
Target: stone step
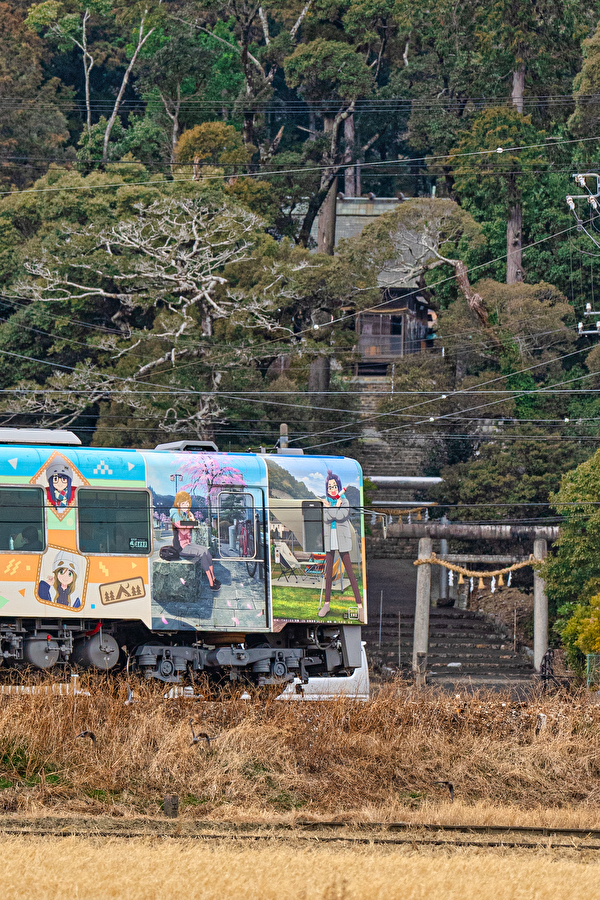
443,650
517,685
440,649
475,655
480,668
435,638
443,659
391,634
406,641
436,647
436,614
462,644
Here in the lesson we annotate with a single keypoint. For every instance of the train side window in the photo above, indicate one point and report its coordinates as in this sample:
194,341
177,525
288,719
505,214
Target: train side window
114,521
237,525
312,526
22,520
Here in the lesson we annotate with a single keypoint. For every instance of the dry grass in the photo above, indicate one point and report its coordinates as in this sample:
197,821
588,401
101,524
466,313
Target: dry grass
152,870
277,761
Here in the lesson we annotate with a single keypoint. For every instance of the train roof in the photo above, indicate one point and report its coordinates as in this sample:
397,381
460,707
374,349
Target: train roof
50,437
46,436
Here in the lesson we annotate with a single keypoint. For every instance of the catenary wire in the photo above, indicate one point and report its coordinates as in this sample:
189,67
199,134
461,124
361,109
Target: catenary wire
318,168
397,428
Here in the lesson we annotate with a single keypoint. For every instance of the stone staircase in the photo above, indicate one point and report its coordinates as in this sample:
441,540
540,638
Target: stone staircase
465,650
383,452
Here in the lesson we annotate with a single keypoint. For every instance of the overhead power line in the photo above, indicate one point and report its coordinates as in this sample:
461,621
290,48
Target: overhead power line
280,106
304,169
308,330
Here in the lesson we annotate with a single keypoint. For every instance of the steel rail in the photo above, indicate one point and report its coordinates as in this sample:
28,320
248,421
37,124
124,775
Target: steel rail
411,840
412,833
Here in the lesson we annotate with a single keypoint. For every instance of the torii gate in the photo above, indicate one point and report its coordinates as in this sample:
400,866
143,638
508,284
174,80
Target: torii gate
427,531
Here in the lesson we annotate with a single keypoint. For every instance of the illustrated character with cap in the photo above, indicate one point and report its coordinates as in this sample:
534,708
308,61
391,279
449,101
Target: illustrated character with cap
60,586
60,490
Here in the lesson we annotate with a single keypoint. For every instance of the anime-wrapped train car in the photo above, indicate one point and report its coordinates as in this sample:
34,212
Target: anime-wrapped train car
179,559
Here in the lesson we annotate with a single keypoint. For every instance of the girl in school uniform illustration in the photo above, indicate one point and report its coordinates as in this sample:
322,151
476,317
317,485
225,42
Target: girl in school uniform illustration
337,534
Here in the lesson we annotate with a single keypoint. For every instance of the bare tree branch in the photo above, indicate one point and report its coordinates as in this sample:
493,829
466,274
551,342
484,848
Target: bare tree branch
295,27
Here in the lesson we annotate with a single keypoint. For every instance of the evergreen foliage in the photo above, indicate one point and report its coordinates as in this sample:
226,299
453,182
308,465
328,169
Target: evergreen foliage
163,165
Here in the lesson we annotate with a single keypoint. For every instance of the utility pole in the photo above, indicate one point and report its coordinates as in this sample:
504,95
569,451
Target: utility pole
283,437
540,608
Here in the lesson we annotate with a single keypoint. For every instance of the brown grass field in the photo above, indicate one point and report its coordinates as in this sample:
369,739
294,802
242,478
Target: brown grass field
270,762
52,869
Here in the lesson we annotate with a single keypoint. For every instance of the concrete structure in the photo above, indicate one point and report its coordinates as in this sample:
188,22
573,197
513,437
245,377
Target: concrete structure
353,213
476,532
421,635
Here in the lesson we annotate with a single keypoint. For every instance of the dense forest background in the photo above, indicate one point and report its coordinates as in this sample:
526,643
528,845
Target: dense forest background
162,165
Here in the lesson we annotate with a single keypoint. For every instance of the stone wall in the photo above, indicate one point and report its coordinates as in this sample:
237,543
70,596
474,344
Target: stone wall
392,548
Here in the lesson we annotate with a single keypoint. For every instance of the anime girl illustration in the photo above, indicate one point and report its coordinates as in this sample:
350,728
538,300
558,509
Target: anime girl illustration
182,519
60,585
338,537
60,491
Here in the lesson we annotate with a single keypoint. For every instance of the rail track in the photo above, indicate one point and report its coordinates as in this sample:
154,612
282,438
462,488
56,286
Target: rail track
394,833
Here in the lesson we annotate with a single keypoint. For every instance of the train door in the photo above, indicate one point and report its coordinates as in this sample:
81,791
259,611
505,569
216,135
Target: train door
209,570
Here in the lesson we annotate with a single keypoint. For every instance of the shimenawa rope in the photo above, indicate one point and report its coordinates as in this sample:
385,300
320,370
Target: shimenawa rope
433,560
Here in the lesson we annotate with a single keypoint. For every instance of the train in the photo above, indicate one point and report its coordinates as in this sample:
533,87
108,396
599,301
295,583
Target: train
180,560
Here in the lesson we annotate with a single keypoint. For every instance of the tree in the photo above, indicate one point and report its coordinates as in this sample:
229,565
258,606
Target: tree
252,29
327,74
162,268
70,28
572,570
530,39
501,175
537,41
175,66
212,143
514,339
518,466
371,26
32,125
586,88
417,237
438,72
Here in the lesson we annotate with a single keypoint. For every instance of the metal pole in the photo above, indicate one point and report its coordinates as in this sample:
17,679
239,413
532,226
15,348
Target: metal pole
540,608
380,616
399,641
421,635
